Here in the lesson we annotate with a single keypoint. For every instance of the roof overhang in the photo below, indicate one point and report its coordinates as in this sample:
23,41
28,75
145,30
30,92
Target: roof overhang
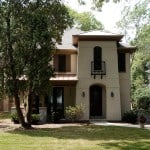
77,38
121,47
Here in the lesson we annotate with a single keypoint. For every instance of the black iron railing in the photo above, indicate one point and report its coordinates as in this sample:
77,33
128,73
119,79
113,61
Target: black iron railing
98,69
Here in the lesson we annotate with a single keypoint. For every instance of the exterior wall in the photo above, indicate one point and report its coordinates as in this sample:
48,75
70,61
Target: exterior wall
6,104
125,87
69,96
110,80
74,63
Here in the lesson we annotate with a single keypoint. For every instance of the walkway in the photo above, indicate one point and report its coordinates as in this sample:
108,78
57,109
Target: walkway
105,123
8,125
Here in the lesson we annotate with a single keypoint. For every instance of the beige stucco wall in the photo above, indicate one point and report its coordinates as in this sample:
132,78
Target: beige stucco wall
125,87
6,103
110,80
69,96
73,63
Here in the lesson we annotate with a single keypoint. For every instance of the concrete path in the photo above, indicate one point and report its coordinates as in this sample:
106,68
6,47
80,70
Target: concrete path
105,123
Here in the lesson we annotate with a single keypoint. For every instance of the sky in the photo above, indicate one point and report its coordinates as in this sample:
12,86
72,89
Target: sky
107,18
110,14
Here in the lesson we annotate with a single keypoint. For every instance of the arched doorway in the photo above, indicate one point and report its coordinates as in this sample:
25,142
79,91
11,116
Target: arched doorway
95,101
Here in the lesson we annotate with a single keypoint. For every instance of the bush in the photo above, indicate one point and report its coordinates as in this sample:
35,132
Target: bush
14,118
74,113
56,116
130,116
35,118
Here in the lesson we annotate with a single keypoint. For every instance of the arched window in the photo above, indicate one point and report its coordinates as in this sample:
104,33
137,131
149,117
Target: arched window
97,58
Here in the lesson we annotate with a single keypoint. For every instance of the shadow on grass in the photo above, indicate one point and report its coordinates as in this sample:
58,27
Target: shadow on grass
88,132
134,145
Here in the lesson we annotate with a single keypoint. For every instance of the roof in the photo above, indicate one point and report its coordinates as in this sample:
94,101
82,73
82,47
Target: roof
123,47
71,37
96,35
67,39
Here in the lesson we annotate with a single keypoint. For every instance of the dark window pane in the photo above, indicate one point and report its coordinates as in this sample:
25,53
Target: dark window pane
121,62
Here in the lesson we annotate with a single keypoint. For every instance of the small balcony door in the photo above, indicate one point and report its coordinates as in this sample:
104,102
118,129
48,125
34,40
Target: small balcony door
97,58
62,63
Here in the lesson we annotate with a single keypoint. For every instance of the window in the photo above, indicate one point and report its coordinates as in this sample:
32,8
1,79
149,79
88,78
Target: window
97,58
62,63
121,62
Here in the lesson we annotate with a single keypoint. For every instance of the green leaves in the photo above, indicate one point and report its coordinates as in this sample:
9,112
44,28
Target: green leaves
34,28
85,21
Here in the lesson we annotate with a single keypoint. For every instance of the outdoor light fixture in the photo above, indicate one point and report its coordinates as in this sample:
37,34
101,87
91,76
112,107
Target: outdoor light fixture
112,94
83,94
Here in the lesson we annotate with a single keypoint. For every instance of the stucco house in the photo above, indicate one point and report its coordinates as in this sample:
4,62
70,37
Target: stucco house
92,68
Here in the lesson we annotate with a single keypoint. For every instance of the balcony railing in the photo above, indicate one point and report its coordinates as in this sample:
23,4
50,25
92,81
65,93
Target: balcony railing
65,74
98,69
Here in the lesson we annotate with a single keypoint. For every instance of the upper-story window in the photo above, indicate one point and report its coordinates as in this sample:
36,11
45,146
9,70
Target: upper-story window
97,58
62,63
121,62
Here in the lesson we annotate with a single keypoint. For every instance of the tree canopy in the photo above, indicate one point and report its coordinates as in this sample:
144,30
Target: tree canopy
85,20
28,33
97,4
136,26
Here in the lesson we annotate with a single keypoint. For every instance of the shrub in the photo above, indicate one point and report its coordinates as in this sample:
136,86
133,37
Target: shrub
35,118
56,116
14,118
130,116
74,113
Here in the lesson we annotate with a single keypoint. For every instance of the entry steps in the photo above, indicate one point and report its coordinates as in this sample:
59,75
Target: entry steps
97,120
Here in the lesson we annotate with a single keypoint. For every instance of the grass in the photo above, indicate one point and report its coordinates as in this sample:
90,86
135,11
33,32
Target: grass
85,137
5,115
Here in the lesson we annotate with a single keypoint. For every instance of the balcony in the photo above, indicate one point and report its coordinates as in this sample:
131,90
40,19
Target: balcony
98,69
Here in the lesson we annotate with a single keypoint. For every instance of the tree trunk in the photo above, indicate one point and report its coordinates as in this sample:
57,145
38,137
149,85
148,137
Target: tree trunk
19,112
29,108
15,91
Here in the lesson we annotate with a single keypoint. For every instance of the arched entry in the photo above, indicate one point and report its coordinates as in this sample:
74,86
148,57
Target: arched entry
95,101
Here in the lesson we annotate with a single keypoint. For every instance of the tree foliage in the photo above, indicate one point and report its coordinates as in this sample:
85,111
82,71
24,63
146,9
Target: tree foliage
139,78
85,20
97,4
29,31
136,20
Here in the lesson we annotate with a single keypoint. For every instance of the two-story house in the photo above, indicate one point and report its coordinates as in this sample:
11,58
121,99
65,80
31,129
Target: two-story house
91,68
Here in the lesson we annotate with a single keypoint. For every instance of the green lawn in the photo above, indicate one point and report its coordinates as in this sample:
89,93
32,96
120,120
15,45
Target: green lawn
76,138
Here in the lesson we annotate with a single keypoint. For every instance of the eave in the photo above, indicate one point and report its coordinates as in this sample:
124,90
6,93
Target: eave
77,38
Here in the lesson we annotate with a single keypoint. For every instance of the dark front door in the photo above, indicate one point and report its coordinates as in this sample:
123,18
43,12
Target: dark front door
95,101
